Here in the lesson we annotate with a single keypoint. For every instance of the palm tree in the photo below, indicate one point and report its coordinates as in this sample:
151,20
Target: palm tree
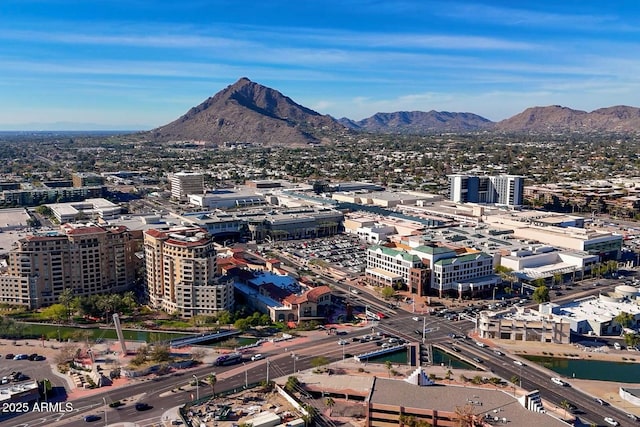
466,416
448,375
389,366
565,405
329,403
212,380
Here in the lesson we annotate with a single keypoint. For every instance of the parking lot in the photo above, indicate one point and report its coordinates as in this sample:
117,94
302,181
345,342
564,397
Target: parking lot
344,252
31,369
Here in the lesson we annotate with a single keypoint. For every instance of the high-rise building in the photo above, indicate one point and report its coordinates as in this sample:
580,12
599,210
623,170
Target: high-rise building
88,259
184,183
181,272
500,189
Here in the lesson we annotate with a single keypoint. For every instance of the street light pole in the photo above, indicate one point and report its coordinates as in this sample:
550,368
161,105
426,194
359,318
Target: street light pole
246,377
104,399
197,387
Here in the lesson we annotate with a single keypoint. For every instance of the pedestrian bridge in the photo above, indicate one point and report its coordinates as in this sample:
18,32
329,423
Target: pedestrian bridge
366,356
190,340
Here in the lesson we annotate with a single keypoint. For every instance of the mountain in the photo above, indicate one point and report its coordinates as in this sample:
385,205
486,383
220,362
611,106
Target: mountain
419,122
249,112
556,118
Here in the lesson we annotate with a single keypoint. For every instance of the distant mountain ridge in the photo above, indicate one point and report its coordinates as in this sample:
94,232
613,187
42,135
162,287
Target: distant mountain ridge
249,112
419,122
555,118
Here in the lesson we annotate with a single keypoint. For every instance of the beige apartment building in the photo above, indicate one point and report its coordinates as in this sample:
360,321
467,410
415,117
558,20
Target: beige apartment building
88,259
181,272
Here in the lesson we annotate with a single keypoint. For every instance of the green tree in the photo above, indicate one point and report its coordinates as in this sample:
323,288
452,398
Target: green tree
242,324
67,298
224,317
212,380
557,279
389,366
624,319
329,403
55,312
564,404
541,294
160,353
631,340
292,384
387,292
316,362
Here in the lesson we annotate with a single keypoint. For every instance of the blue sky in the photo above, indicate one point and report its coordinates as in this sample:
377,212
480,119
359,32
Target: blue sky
138,64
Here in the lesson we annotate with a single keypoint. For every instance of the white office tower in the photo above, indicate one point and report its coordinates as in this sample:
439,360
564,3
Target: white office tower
185,183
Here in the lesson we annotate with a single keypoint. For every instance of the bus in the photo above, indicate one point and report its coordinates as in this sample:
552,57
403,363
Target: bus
228,359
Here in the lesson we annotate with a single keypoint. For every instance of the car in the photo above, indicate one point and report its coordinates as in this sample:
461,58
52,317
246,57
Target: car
416,318
355,291
418,332
33,356
140,406
39,358
519,363
342,342
91,418
632,417
611,421
20,357
176,422
456,349
5,380
617,346
600,401
480,344
355,339
498,353
10,356
558,381
477,360
257,356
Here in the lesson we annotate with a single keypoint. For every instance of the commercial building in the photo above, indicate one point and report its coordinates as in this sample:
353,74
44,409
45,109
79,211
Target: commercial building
430,268
597,315
185,183
391,401
181,272
43,195
87,179
501,189
94,209
561,231
227,199
523,324
89,259
268,224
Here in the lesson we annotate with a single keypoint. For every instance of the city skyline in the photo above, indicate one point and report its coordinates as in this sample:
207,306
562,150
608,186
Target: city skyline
142,64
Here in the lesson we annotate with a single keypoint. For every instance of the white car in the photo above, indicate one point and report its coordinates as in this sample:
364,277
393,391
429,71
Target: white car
519,363
611,421
557,381
342,342
480,344
257,356
416,318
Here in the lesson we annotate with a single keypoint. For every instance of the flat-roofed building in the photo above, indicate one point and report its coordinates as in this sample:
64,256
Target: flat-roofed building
92,209
88,259
523,324
181,272
185,183
87,179
430,268
392,400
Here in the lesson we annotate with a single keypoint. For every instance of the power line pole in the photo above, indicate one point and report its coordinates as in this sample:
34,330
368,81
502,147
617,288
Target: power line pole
267,371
